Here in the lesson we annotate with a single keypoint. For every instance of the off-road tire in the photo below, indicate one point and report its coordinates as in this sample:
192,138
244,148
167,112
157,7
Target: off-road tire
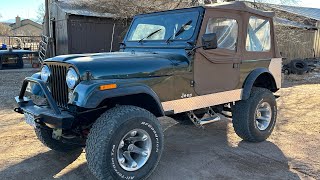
106,134
45,136
244,116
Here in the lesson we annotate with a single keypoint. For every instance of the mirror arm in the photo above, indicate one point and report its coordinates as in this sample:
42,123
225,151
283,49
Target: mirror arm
193,50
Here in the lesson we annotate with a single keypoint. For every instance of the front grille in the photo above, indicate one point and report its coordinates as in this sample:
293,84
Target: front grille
58,85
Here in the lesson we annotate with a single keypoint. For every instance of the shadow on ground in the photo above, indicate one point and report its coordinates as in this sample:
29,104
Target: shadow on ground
42,166
190,153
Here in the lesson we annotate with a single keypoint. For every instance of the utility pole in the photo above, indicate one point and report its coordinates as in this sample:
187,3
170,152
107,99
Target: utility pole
47,20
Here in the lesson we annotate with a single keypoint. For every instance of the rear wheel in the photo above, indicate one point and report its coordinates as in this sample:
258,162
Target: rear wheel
254,118
126,142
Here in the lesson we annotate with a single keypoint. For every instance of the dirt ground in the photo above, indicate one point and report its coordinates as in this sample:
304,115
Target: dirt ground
292,152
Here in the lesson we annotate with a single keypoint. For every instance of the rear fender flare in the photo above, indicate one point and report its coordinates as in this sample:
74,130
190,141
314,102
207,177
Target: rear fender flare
250,80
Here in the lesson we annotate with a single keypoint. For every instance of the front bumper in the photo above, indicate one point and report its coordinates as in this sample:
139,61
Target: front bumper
52,116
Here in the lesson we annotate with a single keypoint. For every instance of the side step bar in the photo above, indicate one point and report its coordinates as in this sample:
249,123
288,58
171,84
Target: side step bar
209,120
209,117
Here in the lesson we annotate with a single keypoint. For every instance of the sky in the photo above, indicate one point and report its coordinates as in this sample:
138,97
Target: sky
27,9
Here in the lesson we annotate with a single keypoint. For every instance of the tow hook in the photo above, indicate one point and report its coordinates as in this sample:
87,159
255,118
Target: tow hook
18,110
56,134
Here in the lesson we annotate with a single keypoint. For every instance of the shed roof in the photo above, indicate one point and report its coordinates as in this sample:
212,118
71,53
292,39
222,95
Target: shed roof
287,22
77,9
240,6
311,13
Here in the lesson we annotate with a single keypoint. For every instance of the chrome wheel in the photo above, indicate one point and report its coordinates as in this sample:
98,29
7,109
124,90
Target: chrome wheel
263,116
134,150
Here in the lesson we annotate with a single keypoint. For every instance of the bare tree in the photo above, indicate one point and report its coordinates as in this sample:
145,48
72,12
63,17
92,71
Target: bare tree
5,30
129,8
40,13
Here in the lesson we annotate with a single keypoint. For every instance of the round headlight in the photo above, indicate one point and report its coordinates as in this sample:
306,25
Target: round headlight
45,73
72,78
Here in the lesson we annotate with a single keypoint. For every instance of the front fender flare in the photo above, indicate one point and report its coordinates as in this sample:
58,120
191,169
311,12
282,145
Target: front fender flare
90,96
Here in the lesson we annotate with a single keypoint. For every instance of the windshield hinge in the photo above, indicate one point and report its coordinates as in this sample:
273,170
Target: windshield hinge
192,83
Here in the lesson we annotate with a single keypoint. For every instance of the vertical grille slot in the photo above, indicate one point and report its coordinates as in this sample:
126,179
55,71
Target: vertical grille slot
59,88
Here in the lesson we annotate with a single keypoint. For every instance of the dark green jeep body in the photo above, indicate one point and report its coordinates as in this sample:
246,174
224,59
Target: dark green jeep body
197,61
164,71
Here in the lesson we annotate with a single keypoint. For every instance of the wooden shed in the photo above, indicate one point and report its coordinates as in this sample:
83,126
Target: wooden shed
298,30
76,29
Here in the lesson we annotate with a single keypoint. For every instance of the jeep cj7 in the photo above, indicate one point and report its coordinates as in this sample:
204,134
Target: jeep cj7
199,62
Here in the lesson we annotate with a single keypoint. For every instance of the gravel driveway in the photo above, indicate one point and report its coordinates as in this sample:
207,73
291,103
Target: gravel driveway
292,152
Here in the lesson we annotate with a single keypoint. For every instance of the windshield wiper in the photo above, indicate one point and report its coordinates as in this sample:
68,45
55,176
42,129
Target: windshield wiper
180,31
151,34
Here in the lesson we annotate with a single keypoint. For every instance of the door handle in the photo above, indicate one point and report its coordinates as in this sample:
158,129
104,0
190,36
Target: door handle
236,65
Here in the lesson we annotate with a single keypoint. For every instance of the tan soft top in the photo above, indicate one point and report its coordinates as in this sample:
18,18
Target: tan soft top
240,6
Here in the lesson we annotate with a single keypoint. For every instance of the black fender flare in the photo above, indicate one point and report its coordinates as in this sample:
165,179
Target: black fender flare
250,79
92,97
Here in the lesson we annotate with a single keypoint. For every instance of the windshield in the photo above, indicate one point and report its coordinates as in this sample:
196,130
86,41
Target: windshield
164,26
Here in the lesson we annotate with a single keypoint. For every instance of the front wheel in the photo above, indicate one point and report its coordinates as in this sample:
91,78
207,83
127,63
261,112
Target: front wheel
255,118
126,142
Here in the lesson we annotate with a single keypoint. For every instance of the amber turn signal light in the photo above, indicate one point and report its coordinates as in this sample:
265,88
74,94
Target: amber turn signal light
107,86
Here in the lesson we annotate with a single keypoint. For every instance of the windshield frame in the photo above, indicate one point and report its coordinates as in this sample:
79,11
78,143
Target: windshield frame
193,37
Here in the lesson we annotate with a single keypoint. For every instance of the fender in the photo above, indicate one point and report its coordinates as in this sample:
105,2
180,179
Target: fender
89,96
251,78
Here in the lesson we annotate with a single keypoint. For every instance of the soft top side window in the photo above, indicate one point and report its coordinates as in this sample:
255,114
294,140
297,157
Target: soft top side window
226,30
258,35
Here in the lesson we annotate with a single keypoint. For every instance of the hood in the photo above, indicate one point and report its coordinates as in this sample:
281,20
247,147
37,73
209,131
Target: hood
122,65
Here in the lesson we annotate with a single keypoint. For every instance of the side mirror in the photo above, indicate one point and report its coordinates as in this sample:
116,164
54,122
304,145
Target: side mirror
209,41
